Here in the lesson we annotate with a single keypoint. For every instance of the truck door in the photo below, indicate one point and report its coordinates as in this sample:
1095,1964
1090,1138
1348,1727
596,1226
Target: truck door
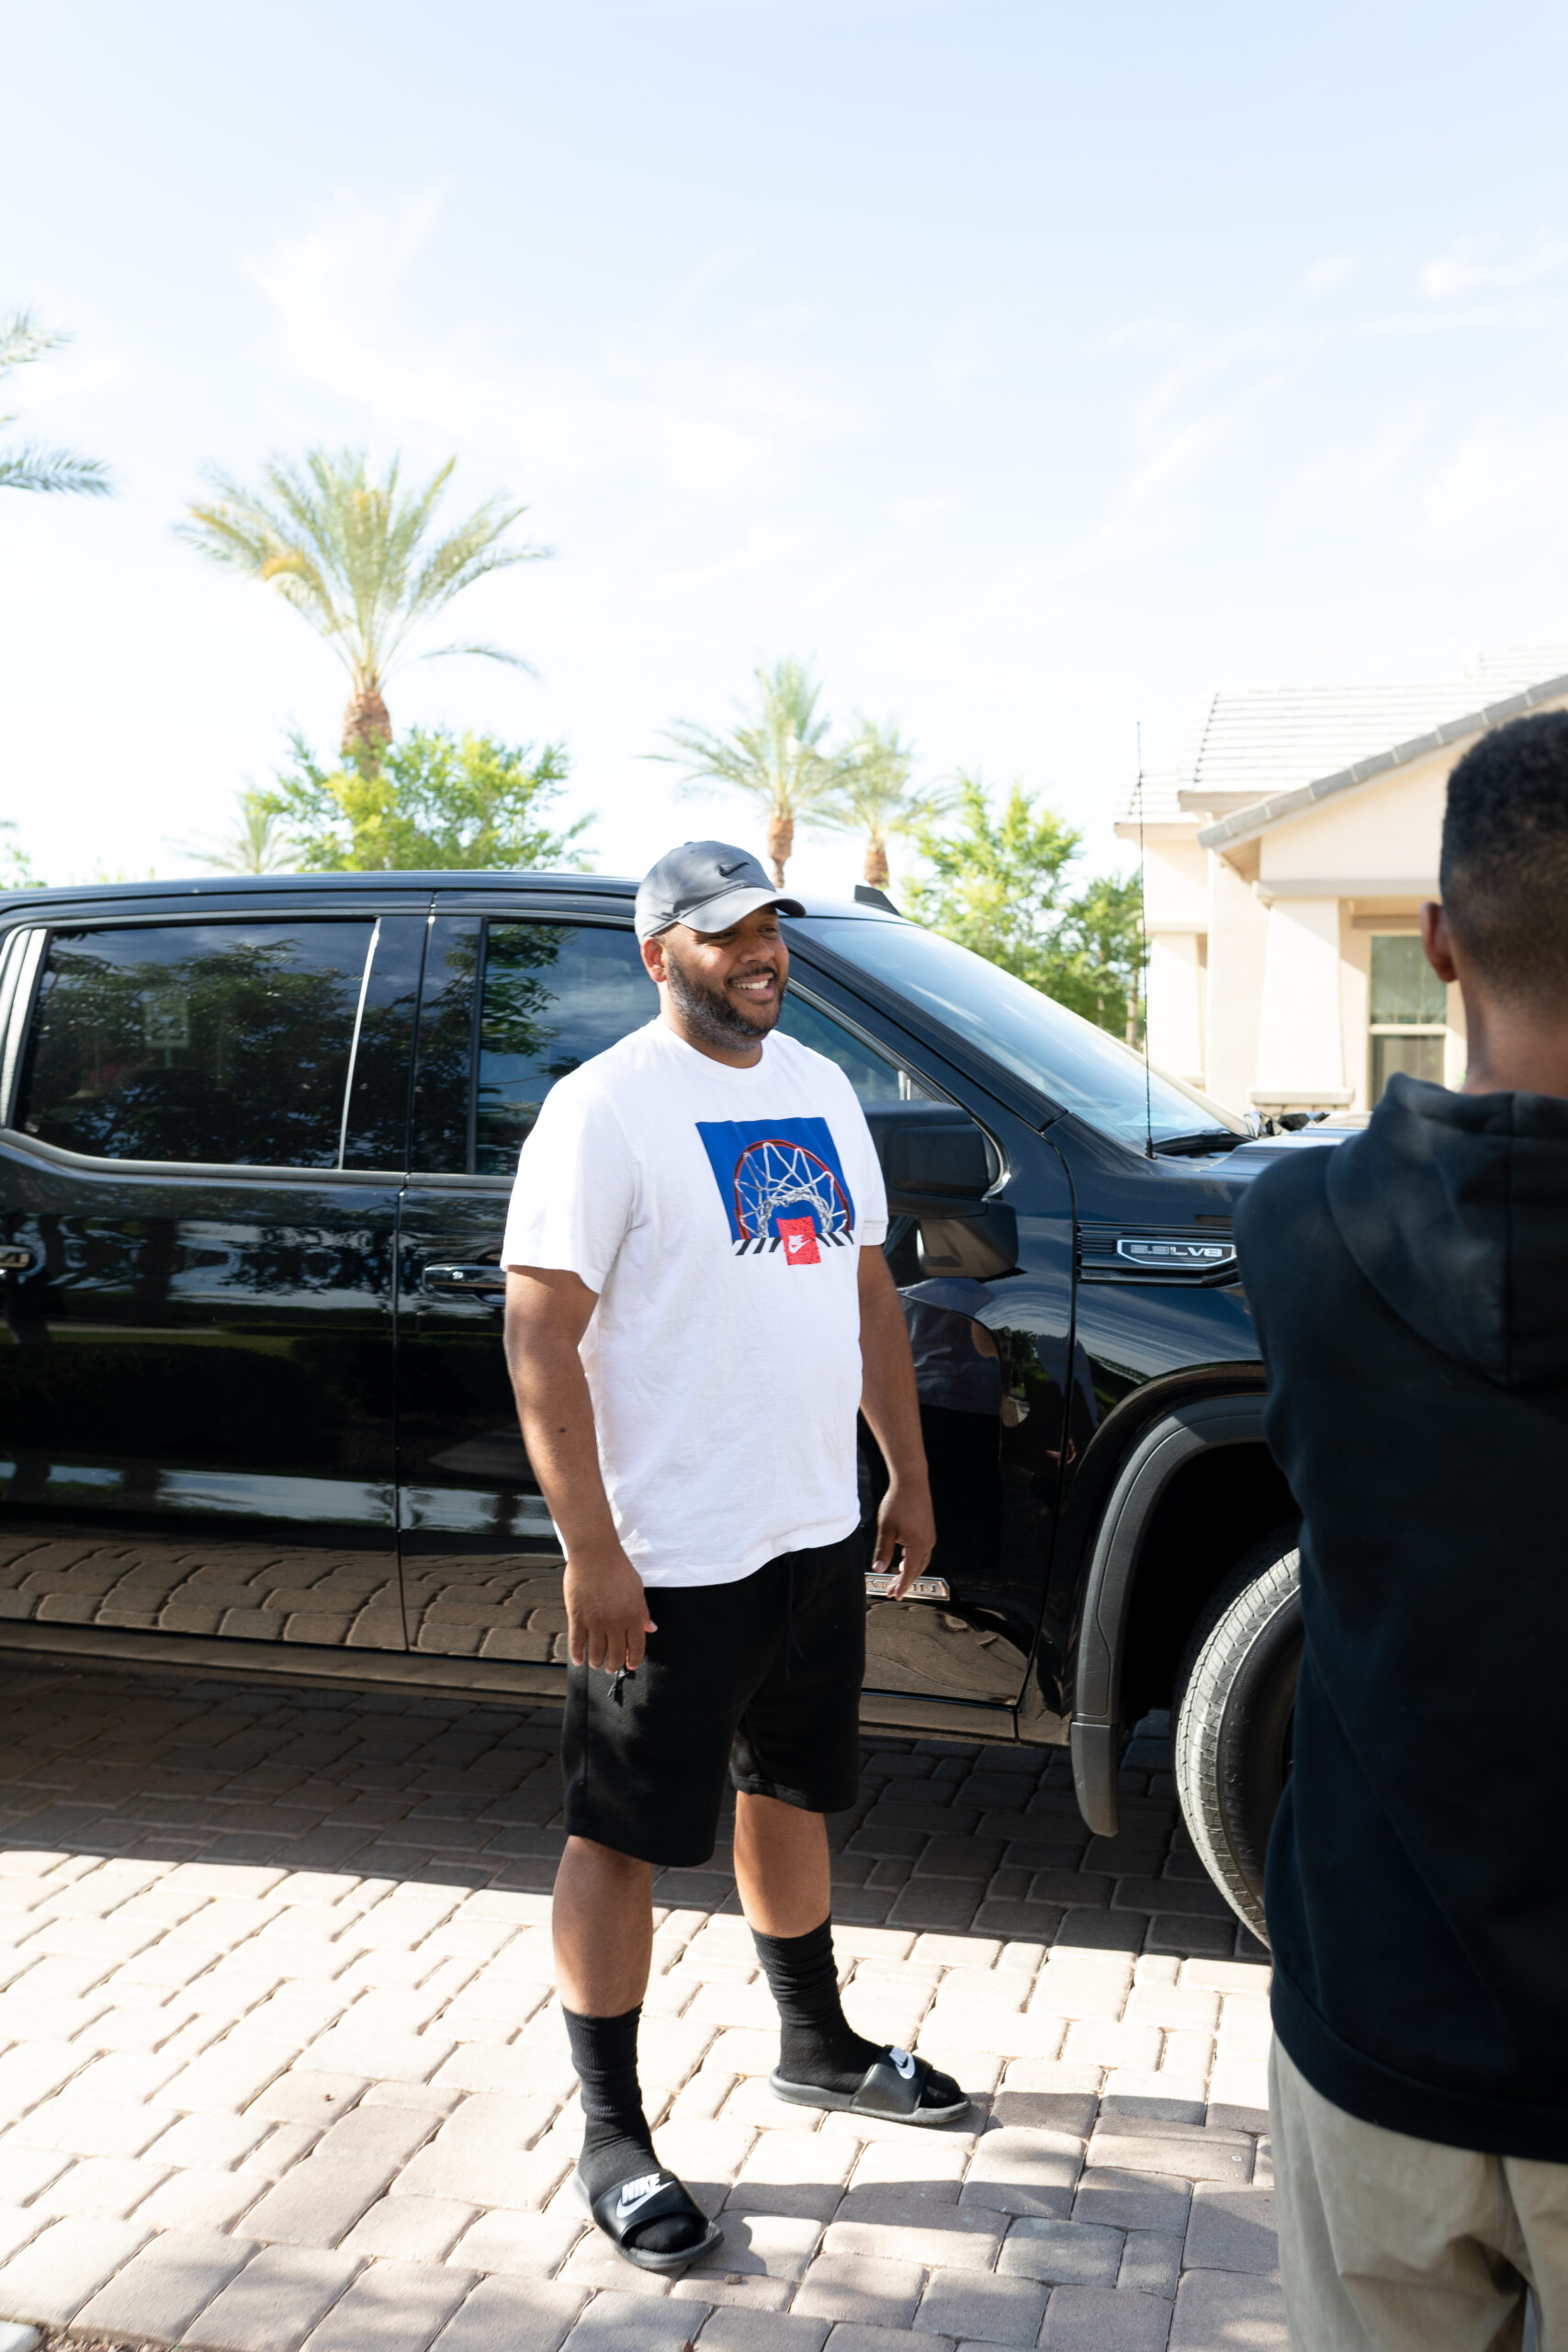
510,1004
201,1139
988,1298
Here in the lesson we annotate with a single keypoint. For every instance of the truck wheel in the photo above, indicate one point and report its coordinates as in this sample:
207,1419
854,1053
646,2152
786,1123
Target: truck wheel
1235,1696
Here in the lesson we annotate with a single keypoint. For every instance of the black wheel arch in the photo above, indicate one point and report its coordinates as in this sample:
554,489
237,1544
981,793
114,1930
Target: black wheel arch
1177,1452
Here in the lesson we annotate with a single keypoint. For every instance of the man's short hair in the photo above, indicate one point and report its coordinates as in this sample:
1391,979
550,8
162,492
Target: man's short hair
1505,865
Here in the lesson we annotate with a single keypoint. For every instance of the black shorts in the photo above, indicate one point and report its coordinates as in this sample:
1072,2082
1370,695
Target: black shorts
762,1675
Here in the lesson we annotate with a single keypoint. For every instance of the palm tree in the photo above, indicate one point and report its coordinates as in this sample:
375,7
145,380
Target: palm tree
874,795
257,845
353,556
776,759
30,468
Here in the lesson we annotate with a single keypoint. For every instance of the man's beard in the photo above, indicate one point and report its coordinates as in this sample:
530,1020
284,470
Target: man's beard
709,1013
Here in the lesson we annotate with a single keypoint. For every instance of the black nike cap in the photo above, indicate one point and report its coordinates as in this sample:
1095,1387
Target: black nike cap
707,886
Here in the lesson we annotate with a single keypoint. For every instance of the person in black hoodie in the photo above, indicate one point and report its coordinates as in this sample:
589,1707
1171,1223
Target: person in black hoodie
1411,1291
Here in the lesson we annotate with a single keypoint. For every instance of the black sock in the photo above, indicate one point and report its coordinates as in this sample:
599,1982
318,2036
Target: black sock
817,2043
616,2143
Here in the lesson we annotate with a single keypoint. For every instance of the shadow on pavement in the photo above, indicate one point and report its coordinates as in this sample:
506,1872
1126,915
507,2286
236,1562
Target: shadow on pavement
281,2067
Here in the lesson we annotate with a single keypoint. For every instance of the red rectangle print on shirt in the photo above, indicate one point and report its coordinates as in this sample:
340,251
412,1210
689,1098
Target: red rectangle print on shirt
799,1235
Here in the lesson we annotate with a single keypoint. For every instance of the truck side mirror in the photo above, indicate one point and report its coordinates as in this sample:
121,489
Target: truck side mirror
937,1165
934,1158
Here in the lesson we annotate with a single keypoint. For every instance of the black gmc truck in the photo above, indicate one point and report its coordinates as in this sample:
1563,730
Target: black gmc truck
256,1137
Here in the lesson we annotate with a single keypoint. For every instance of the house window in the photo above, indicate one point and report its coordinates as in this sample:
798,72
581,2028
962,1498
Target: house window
1409,1009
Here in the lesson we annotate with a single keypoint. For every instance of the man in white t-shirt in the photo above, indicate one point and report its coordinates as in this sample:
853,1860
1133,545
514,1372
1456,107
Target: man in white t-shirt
698,1304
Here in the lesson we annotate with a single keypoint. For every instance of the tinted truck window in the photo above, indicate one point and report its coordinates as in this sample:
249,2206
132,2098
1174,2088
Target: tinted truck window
873,1076
555,995
227,1042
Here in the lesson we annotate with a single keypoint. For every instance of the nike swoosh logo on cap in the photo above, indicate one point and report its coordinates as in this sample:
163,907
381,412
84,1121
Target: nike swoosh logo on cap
727,870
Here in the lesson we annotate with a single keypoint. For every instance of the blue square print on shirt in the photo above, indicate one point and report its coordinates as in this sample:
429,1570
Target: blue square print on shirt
782,1183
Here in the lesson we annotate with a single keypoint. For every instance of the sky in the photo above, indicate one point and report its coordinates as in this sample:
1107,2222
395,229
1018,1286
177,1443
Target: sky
1030,370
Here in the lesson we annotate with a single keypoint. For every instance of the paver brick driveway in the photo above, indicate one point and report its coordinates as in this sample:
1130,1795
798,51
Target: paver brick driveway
280,2063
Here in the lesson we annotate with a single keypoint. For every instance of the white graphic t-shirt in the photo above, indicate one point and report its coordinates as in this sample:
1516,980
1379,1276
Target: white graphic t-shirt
719,1213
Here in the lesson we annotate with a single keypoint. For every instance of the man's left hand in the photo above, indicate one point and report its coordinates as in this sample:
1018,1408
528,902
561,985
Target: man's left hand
906,1524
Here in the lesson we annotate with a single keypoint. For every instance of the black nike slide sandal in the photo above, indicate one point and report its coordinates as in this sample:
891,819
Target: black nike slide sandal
894,2088
657,2196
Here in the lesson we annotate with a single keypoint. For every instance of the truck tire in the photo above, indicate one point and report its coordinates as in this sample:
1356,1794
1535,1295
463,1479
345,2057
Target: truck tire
1235,1703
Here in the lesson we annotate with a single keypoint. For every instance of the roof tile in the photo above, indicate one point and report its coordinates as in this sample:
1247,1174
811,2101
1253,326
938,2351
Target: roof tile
1264,742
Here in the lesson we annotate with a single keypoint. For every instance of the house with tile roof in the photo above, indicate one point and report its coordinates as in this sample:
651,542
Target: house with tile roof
1285,864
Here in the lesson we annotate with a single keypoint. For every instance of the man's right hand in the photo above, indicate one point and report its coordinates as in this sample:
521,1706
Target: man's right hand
548,1311
606,1612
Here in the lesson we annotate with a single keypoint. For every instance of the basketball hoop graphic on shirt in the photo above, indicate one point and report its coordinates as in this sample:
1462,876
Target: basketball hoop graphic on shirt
782,1186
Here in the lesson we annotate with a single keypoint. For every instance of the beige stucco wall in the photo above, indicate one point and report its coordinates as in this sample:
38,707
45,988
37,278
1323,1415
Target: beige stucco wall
1260,954
1175,984
1238,932
1388,830
1176,879
1301,1054
1360,863
1176,916
1355,997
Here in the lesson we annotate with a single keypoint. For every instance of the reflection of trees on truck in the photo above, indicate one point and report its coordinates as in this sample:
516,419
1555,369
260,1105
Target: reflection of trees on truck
226,1046
958,1377
531,971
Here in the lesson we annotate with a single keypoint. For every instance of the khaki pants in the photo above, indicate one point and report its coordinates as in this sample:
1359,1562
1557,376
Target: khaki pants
1392,2245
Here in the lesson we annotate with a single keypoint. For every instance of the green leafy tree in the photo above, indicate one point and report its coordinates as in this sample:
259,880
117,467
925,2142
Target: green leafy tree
30,468
357,559
257,845
875,797
433,799
1000,884
15,871
1100,943
776,759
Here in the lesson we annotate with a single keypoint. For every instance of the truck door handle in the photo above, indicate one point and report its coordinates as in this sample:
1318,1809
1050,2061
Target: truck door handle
464,1278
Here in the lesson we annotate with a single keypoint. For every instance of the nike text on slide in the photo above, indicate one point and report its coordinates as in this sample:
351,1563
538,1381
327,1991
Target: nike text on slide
636,2193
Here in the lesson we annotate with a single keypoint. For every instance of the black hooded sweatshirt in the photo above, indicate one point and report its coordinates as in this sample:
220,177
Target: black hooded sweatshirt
1411,1291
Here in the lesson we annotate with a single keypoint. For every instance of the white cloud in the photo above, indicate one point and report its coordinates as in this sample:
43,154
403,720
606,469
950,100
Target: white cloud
63,376
1506,474
1331,271
1474,261
1202,363
914,512
1175,448
705,416
758,553
1353,465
